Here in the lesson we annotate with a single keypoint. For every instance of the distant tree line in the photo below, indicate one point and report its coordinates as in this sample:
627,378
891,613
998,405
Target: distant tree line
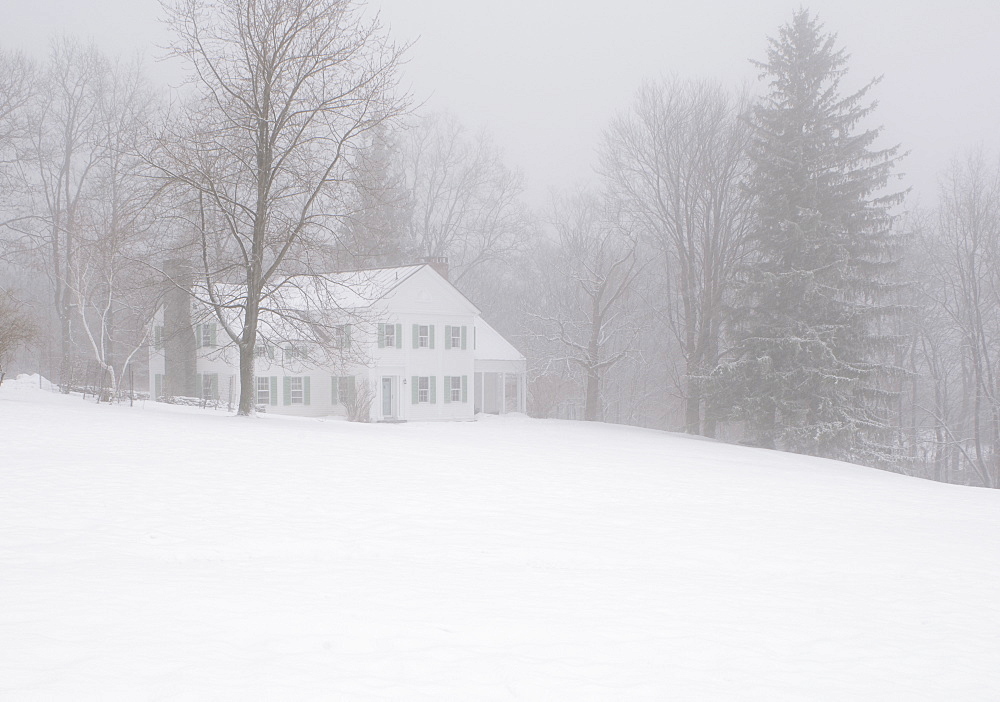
743,268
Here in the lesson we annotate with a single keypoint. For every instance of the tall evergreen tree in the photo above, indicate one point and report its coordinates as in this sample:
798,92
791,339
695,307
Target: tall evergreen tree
808,373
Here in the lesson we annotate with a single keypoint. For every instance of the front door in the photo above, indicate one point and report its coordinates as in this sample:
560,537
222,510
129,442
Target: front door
387,403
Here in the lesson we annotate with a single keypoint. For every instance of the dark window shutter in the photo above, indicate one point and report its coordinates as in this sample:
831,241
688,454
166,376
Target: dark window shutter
381,335
286,383
465,388
416,390
158,337
416,336
212,338
274,390
447,337
463,338
433,384
335,390
347,388
430,331
399,336
447,388
347,336
305,390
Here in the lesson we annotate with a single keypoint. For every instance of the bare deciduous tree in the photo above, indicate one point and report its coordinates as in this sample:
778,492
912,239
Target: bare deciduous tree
589,277
676,160
18,86
113,291
464,202
57,169
964,261
285,89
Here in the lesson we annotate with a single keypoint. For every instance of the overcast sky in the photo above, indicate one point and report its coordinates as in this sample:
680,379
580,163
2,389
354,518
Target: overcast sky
545,76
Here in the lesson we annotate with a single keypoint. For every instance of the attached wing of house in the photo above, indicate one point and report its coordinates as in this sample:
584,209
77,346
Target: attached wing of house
391,344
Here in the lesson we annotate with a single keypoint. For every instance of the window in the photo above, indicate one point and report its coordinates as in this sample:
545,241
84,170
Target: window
296,394
206,335
390,336
423,336
294,390
456,388
295,353
158,337
342,336
263,391
424,389
454,337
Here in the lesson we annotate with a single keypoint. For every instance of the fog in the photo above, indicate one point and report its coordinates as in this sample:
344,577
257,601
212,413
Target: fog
545,77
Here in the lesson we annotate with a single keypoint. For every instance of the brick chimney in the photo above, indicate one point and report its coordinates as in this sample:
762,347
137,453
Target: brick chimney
438,263
178,333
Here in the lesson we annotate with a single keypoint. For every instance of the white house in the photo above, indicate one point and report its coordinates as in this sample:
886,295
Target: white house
410,341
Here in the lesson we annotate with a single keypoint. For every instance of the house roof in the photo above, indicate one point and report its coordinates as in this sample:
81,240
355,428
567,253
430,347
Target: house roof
313,297
341,290
352,289
491,346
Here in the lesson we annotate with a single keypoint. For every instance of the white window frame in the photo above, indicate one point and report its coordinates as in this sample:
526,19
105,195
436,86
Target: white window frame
389,336
424,389
455,391
456,337
423,336
263,389
296,390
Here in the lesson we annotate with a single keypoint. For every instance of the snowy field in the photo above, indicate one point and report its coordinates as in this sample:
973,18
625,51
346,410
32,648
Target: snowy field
169,553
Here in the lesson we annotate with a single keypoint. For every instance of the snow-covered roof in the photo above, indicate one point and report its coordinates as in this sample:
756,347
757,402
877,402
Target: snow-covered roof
343,290
352,289
491,346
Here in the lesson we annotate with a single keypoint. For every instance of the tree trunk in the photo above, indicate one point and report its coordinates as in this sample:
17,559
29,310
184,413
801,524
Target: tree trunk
247,404
591,411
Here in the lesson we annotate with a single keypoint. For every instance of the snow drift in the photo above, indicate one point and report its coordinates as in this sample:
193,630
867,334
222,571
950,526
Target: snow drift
163,552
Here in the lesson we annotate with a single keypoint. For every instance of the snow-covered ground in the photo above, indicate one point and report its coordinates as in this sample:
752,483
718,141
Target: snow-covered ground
161,553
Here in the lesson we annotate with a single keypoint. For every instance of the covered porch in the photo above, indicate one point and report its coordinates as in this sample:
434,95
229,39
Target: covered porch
500,373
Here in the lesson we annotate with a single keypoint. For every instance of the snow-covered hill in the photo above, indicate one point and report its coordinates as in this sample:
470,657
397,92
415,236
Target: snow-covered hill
162,552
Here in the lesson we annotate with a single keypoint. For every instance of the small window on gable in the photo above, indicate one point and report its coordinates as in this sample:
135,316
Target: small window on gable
423,336
423,389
